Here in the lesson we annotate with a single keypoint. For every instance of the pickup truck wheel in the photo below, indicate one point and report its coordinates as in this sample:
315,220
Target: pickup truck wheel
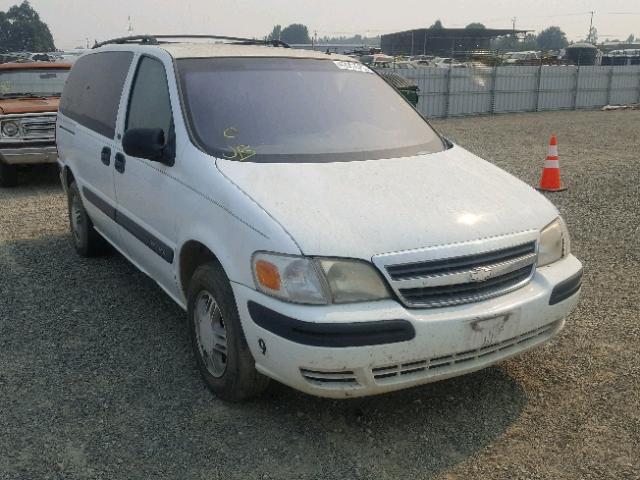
223,356
8,175
87,242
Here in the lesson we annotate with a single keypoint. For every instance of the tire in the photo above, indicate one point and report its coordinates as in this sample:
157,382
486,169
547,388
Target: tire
8,175
87,242
219,345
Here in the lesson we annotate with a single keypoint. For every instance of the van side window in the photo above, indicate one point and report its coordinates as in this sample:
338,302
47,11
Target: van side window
149,104
93,90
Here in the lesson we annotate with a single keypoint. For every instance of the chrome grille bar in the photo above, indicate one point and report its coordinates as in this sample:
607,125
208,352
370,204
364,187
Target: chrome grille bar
458,264
34,127
466,292
458,274
39,127
462,276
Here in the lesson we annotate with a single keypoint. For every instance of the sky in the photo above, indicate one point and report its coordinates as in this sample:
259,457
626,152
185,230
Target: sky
74,22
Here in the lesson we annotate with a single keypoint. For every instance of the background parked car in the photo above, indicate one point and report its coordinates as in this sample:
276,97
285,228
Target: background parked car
29,98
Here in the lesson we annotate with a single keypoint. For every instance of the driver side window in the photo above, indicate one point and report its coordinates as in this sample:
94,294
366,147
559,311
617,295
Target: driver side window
149,104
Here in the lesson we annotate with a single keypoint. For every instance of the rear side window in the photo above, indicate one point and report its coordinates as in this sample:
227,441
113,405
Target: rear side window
92,93
149,104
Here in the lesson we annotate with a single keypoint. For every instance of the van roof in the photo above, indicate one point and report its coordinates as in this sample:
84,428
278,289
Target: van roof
208,50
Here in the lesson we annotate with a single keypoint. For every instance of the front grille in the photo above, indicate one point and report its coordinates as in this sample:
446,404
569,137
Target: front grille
39,128
464,292
440,365
338,378
463,279
458,264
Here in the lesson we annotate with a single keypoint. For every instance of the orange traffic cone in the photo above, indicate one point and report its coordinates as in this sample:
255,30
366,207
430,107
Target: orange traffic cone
550,181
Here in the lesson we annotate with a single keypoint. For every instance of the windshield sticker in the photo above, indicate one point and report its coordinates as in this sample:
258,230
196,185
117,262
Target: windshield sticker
230,132
240,153
353,66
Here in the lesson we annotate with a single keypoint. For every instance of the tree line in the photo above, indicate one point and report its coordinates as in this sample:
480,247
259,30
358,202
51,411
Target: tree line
297,33
21,30
551,38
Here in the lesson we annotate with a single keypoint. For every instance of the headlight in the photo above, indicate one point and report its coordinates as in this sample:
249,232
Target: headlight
290,278
10,129
554,243
353,281
316,281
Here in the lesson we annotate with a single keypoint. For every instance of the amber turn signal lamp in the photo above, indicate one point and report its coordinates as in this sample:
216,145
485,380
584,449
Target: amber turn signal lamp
267,274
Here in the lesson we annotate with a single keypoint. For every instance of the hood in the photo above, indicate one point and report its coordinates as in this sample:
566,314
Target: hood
29,105
360,209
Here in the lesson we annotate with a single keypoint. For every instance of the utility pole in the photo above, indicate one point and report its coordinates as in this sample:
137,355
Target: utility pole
590,27
130,29
513,26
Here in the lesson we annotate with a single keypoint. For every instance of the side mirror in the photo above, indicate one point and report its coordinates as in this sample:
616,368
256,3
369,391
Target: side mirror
148,143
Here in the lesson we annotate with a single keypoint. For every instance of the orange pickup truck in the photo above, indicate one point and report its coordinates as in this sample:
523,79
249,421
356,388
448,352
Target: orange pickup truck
29,98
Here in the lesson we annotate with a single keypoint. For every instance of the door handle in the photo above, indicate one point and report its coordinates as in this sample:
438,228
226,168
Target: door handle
105,156
119,162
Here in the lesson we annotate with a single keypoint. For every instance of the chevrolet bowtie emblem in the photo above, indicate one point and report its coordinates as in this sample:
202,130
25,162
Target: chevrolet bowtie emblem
480,274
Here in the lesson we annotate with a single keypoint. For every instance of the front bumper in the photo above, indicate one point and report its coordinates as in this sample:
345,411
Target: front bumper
29,154
448,341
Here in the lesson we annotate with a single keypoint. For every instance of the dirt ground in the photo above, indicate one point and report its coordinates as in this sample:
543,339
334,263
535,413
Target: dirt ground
97,379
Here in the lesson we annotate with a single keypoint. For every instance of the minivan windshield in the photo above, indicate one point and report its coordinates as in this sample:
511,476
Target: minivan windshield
298,110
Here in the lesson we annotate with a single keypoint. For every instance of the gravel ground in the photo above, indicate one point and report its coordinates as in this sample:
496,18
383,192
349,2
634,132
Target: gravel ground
97,379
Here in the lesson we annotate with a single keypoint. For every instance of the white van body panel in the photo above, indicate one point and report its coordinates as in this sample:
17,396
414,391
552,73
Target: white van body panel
361,209
139,179
217,214
79,148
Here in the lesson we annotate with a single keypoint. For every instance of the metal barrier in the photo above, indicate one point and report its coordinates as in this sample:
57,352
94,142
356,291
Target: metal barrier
460,91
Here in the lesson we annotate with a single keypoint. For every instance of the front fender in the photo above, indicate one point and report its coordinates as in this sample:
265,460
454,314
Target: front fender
231,235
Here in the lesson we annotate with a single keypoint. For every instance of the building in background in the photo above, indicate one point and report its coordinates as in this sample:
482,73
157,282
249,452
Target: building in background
583,53
620,53
443,42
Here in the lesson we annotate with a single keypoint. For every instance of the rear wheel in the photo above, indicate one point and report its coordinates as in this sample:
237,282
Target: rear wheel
8,175
223,356
87,242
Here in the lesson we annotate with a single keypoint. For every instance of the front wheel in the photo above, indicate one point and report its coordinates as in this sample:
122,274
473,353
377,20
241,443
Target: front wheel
223,356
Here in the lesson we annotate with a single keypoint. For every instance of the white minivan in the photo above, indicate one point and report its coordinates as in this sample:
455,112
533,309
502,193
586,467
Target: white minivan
312,224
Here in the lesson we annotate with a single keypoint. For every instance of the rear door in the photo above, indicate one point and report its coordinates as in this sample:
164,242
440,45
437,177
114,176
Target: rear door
148,194
86,132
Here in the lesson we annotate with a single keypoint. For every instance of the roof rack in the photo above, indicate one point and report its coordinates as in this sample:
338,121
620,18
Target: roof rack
156,40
